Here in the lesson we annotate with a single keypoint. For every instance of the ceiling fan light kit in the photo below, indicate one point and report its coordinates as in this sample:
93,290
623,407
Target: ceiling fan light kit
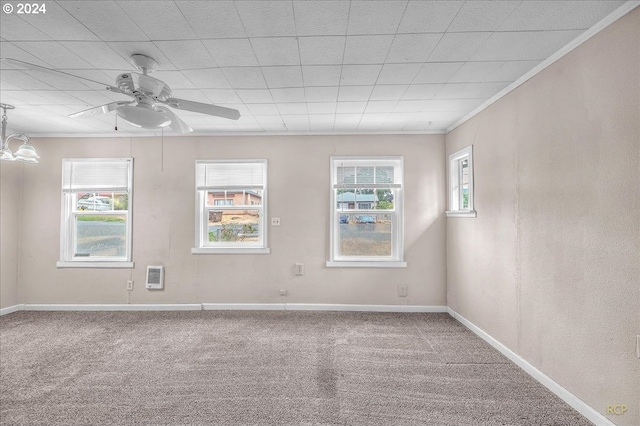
26,153
151,97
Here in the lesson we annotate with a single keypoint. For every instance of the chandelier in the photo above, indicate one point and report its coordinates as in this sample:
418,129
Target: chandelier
25,153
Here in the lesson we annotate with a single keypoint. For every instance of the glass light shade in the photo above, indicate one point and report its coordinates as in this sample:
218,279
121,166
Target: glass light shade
26,151
142,116
27,160
7,155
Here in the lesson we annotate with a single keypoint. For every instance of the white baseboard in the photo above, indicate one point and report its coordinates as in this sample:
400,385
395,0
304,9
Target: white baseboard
243,306
363,308
11,309
579,405
112,307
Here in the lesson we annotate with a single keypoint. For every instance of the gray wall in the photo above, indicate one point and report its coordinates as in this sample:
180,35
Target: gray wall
551,266
10,191
164,214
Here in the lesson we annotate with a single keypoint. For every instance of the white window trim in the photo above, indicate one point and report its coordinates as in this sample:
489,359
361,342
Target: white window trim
454,183
66,216
201,201
334,213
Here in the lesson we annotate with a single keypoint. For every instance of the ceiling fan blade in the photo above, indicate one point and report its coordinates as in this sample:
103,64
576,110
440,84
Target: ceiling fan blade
102,109
177,124
209,109
20,63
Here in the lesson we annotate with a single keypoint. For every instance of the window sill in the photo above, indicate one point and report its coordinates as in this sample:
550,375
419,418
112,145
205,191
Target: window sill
366,264
218,250
105,265
460,213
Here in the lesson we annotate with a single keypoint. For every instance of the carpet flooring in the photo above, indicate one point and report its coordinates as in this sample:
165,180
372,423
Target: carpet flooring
261,368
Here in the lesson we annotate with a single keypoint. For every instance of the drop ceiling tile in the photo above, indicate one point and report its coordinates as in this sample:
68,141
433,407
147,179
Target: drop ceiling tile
255,96
211,20
58,24
482,15
367,49
321,17
288,95
128,48
321,94
388,92
469,90
18,29
296,122
512,70
91,97
58,97
375,17
462,105
322,123
359,75
6,86
429,16
276,50
351,108
263,109
99,54
10,50
475,72
194,95
186,54
91,14
354,93
379,106
31,98
175,79
421,91
529,45
292,108
232,52
218,96
321,75
437,72
212,78
160,20
245,77
455,47
23,80
278,77
409,106
267,18
558,15
398,73
321,107
325,50
347,122
54,54
412,47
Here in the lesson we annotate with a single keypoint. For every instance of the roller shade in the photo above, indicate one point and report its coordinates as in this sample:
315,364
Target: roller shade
375,174
96,175
229,175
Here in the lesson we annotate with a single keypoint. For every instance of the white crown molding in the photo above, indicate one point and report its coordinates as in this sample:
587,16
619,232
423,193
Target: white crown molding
579,405
595,29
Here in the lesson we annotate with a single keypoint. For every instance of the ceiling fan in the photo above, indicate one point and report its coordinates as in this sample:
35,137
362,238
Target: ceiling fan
151,97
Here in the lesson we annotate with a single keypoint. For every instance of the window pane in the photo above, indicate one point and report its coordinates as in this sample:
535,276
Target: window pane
364,199
101,235
234,226
241,197
101,201
365,234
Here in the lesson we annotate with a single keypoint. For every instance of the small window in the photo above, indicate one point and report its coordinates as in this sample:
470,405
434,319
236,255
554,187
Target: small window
461,184
366,214
231,202
96,213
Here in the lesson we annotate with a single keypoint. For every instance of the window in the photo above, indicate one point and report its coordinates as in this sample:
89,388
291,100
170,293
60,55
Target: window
461,184
231,207
366,213
96,213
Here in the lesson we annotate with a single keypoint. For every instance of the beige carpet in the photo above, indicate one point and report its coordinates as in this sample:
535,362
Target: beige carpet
261,368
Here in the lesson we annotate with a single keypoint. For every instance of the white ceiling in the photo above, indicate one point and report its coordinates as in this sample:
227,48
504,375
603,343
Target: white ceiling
299,67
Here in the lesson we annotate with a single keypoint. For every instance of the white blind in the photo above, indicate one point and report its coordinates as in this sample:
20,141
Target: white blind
212,175
108,175
377,174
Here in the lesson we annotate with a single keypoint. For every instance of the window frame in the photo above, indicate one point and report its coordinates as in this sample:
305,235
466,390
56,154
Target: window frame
454,184
202,210
69,215
396,260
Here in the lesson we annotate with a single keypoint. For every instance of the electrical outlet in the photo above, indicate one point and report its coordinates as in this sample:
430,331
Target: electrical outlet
402,290
129,285
275,221
283,292
299,268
